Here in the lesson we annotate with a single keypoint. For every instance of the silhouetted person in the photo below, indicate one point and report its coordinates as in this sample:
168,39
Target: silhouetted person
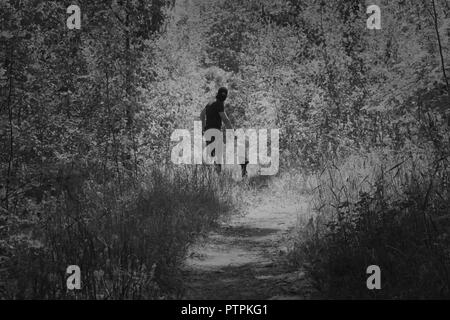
212,116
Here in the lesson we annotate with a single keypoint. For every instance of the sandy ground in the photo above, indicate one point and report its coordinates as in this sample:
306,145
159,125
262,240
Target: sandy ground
245,258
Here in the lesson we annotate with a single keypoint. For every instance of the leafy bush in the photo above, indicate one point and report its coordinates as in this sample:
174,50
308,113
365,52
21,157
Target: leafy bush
380,210
128,240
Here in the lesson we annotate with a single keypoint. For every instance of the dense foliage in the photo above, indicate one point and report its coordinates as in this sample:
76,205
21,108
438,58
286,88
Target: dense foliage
366,114
86,117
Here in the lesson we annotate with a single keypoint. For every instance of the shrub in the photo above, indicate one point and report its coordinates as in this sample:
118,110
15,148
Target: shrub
385,210
128,239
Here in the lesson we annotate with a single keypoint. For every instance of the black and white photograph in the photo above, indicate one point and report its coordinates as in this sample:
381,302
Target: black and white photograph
241,152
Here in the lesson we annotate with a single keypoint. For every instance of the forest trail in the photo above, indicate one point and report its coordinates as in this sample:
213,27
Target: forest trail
245,258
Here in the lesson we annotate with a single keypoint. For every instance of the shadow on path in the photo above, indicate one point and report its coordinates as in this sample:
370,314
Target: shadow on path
246,259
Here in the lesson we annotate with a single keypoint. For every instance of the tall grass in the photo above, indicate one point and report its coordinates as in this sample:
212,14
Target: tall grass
383,208
128,239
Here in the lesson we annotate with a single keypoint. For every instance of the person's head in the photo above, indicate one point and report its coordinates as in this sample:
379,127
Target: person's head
222,94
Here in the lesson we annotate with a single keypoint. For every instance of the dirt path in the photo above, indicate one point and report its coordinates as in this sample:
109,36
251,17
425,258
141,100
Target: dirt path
246,259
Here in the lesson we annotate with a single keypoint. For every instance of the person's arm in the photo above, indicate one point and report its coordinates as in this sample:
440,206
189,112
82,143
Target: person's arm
225,120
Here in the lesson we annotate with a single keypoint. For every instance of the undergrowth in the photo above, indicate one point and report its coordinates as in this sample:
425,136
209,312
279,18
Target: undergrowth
128,238
383,208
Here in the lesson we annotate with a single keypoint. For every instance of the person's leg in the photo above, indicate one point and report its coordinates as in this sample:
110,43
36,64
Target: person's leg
246,162
244,169
217,166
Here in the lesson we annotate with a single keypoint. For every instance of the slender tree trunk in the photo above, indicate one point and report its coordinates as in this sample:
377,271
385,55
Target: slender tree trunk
130,149
436,27
128,73
330,85
112,131
10,119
